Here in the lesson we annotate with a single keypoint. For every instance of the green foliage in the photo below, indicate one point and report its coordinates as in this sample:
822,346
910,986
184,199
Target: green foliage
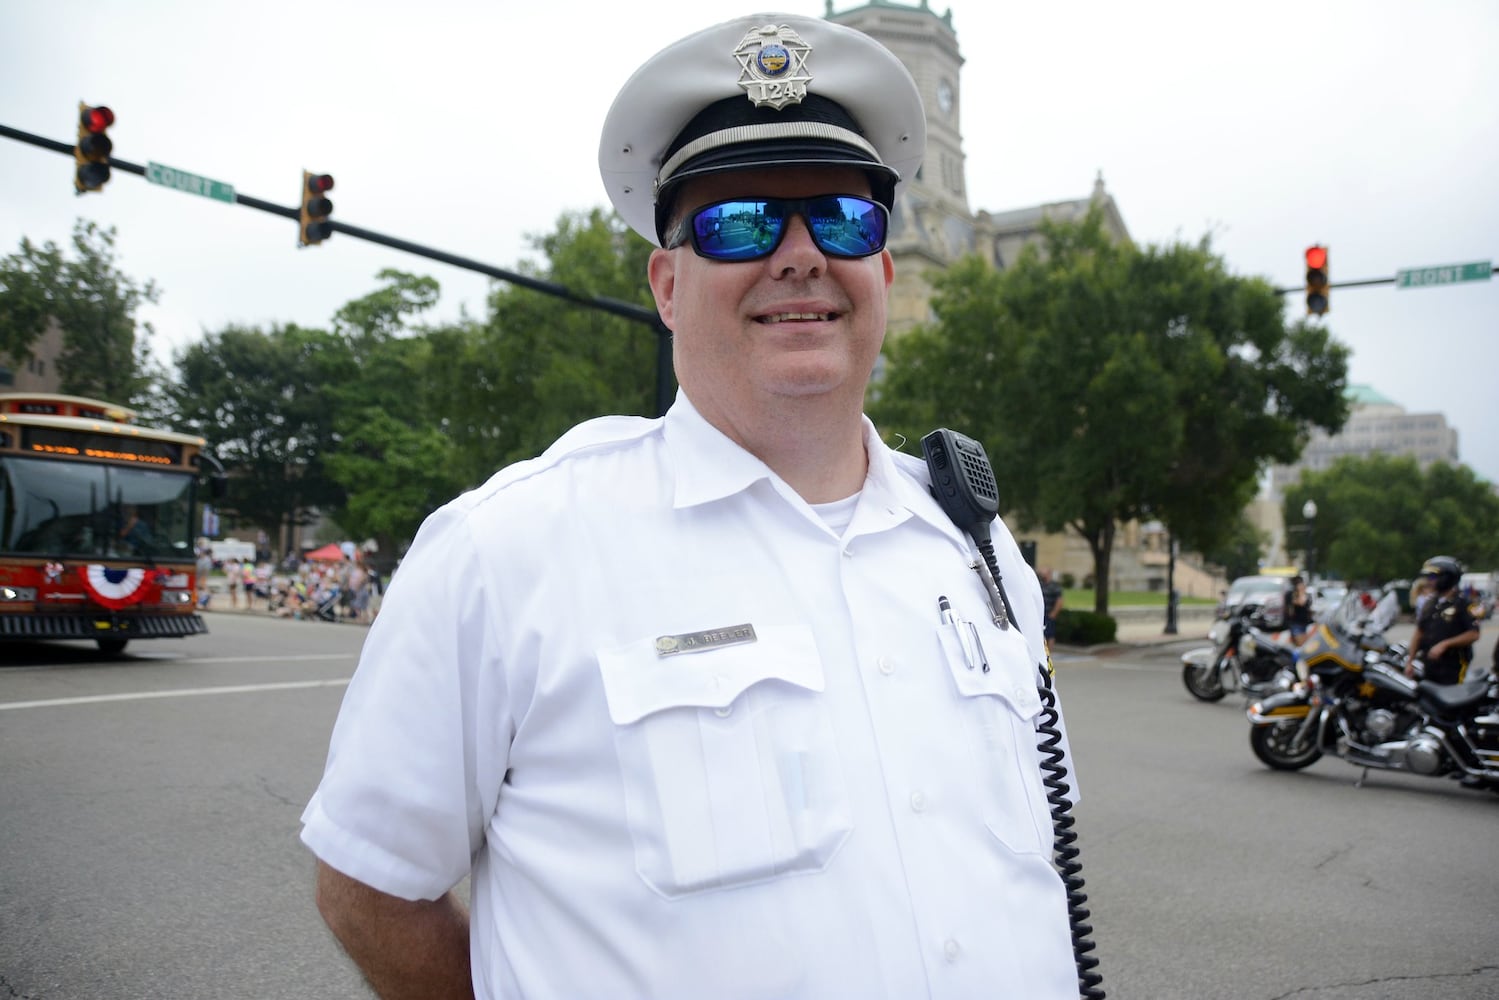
1380,517
540,365
105,353
382,420
1085,628
393,460
1239,552
1110,382
266,402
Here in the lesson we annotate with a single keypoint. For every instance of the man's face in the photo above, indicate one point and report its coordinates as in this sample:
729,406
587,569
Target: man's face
797,323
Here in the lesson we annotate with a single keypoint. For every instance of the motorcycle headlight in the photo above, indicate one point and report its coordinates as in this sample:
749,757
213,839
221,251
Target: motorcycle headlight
26,594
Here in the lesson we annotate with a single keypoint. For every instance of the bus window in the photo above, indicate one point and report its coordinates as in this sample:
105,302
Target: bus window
79,510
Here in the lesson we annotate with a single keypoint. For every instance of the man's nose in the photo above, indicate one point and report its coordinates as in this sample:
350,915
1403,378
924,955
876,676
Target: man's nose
797,252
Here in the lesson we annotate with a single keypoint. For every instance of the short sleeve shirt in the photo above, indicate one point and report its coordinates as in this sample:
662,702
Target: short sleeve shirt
1441,619
692,742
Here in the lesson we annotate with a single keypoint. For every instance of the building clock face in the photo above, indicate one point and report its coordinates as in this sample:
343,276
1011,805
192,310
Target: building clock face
944,97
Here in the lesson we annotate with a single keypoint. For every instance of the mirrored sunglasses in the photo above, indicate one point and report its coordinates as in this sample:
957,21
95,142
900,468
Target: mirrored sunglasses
842,225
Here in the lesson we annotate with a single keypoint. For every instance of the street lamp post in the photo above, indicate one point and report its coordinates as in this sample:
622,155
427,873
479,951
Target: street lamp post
1309,514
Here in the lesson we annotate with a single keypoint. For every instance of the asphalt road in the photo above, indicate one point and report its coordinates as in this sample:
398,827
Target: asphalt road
148,820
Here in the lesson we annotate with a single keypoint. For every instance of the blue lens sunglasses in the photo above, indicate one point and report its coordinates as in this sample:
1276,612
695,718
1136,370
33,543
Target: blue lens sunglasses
842,225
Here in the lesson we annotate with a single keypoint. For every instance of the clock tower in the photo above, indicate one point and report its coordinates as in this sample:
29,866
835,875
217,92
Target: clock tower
928,46
932,225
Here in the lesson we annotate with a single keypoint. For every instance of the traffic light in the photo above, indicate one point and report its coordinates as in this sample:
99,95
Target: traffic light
92,150
315,209
1316,281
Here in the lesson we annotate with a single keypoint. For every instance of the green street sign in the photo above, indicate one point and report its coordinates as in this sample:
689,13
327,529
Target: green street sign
1446,274
181,180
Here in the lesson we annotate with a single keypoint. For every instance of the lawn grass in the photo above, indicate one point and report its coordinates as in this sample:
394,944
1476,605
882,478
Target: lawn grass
1083,599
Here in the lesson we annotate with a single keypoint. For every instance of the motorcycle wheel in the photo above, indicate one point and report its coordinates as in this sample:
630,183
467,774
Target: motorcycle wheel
1276,746
1205,682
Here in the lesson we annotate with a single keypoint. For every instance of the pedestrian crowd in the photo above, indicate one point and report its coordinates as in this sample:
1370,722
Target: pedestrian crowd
348,589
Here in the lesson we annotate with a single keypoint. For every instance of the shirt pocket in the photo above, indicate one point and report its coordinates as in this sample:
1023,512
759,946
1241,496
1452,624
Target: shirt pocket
729,767
1000,707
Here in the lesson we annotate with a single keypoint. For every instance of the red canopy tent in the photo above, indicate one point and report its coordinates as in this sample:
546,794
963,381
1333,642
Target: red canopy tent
328,553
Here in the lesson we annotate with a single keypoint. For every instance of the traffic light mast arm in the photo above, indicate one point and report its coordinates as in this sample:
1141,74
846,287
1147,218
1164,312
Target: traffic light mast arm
1298,289
624,310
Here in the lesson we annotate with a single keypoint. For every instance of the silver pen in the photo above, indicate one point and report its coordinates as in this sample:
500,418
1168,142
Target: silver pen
951,620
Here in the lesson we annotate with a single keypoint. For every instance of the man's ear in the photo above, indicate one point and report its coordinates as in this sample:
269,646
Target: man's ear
661,271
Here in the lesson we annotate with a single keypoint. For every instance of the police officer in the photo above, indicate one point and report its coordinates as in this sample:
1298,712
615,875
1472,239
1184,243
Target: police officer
712,705
1445,631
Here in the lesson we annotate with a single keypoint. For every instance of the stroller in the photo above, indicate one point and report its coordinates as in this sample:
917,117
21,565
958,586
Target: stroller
325,604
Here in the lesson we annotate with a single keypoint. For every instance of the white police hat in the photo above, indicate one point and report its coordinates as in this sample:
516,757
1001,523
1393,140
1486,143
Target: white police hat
761,90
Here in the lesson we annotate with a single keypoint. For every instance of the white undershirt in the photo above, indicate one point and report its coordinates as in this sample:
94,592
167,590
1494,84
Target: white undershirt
838,514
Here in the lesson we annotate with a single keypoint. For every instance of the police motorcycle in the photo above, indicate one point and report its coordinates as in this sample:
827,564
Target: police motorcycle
1357,704
1244,656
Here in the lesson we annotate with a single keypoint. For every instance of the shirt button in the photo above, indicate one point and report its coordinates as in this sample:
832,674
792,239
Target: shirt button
918,802
950,949
725,712
887,665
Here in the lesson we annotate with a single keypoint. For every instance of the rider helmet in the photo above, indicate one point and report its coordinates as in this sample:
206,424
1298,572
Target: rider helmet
1444,571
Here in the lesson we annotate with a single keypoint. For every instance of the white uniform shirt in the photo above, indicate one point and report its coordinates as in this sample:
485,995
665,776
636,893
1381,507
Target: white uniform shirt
840,808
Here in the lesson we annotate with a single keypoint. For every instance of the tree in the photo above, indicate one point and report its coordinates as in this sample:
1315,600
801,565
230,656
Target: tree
393,460
1379,517
1110,382
266,403
1239,553
434,411
105,352
539,365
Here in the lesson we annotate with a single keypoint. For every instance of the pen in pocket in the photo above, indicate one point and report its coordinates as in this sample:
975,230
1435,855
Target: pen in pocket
966,634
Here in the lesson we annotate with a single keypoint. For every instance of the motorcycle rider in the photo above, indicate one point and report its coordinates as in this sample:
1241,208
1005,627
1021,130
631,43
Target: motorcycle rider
1445,630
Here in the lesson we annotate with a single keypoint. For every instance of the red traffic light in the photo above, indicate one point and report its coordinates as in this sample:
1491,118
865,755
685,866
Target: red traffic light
92,148
315,227
96,120
1318,290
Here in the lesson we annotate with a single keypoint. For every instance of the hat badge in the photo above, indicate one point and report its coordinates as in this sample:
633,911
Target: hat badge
773,66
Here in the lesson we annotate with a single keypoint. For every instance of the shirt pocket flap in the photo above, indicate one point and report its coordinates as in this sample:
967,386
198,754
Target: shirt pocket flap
639,681
1011,674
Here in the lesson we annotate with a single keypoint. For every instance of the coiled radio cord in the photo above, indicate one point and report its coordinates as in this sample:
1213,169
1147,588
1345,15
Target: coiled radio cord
1054,778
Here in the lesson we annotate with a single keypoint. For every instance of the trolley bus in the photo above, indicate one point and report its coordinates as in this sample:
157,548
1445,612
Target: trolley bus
97,518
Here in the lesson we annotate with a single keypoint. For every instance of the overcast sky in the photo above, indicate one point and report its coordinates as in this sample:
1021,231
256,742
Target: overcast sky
1369,126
